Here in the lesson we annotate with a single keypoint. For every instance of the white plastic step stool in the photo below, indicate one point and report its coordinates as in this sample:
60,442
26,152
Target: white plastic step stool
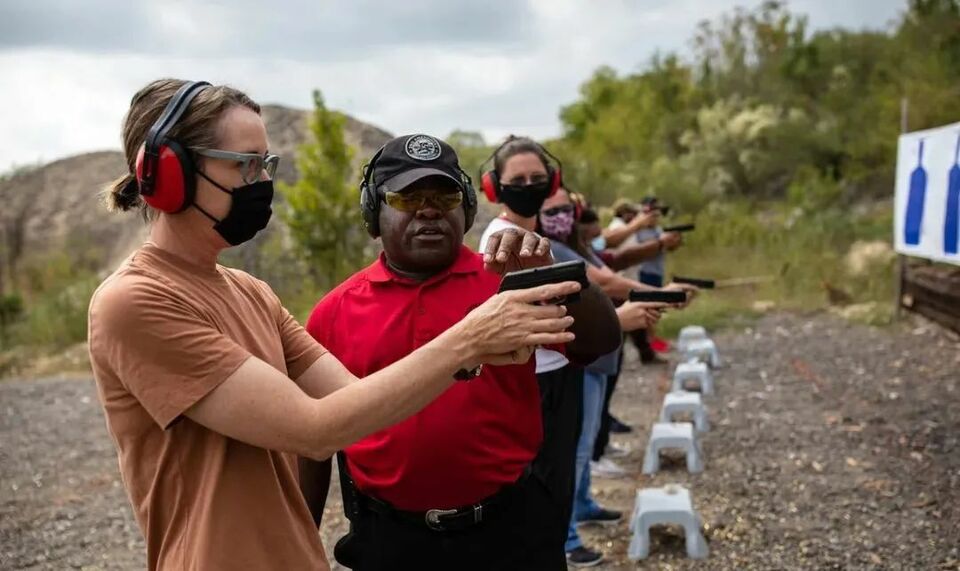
685,402
673,435
704,350
693,371
668,505
688,334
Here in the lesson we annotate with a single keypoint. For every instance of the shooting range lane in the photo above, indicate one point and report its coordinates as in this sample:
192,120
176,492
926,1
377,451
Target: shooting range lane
830,444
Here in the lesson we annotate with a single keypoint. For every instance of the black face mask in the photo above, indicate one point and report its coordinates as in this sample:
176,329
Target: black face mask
249,212
525,199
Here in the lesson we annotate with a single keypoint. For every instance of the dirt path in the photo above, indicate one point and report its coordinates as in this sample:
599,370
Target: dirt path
834,446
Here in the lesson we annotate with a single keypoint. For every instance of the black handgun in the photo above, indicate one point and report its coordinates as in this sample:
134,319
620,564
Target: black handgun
702,284
575,271
680,228
664,210
658,296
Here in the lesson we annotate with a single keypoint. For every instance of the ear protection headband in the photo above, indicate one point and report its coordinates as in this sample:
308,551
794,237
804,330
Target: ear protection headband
165,172
370,199
490,180
579,204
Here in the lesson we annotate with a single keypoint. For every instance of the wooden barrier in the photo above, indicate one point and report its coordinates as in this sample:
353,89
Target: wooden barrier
934,292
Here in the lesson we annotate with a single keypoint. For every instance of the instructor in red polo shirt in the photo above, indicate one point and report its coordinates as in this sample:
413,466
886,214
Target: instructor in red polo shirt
449,488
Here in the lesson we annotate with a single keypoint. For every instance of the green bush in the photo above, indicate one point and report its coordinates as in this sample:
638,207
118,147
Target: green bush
11,309
322,211
800,254
50,308
57,318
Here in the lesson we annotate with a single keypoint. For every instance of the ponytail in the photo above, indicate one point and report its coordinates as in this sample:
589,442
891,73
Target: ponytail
123,194
198,127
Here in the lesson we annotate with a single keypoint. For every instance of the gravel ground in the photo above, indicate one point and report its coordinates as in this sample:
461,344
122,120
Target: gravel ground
833,446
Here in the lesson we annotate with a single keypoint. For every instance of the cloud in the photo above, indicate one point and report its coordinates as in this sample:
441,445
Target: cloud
294,29
497,66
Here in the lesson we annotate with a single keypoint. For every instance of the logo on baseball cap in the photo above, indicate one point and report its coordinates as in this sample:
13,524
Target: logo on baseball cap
407,159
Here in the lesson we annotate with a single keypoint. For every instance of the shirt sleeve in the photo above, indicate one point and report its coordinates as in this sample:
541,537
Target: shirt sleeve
563,253
300,350
159,347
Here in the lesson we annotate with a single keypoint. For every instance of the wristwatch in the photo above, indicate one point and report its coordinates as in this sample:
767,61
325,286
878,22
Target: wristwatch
466,375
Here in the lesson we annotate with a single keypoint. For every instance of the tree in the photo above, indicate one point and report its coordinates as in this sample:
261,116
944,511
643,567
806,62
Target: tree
763,100
322,210
472,150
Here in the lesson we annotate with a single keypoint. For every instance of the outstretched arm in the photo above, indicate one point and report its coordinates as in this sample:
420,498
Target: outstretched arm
596,325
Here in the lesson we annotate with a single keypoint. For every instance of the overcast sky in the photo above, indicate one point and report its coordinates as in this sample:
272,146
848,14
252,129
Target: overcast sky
69,68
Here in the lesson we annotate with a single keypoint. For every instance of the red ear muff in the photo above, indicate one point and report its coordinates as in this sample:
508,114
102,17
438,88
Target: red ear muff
168,182
165,174
490,180
556,180
491,186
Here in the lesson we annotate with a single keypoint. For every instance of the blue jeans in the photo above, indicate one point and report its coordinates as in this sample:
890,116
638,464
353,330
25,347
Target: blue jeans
594,389
655,280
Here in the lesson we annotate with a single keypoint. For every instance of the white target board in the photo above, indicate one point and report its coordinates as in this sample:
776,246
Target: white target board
926,220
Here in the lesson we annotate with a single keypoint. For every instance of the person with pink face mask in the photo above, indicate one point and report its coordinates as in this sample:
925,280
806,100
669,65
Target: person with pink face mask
557,220
523,177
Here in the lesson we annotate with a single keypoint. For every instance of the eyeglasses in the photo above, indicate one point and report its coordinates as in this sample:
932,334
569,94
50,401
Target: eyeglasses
252,165
558,209
415,200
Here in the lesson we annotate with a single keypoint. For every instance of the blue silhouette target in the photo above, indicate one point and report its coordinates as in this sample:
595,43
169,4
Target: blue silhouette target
927,196
915,198
951,224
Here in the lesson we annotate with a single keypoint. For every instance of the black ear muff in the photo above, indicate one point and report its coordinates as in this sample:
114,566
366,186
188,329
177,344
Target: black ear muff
469,201
369,199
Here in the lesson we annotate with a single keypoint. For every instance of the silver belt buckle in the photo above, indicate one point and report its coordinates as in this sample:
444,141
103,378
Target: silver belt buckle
432,518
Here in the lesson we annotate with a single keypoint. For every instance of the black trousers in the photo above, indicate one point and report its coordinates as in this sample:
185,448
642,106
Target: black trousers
518,537
529,534
603,436
642,343
561,405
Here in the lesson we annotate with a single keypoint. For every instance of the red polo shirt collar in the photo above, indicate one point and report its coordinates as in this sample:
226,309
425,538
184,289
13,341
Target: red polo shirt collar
467,262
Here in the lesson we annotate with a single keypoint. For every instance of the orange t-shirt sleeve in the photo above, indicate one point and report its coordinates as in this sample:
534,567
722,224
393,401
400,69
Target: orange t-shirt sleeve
300,350
159,347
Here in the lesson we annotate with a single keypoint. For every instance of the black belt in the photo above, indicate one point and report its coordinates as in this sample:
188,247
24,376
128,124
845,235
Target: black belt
450,519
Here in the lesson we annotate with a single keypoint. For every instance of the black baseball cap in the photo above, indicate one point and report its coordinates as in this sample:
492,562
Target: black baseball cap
652,202
407,159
